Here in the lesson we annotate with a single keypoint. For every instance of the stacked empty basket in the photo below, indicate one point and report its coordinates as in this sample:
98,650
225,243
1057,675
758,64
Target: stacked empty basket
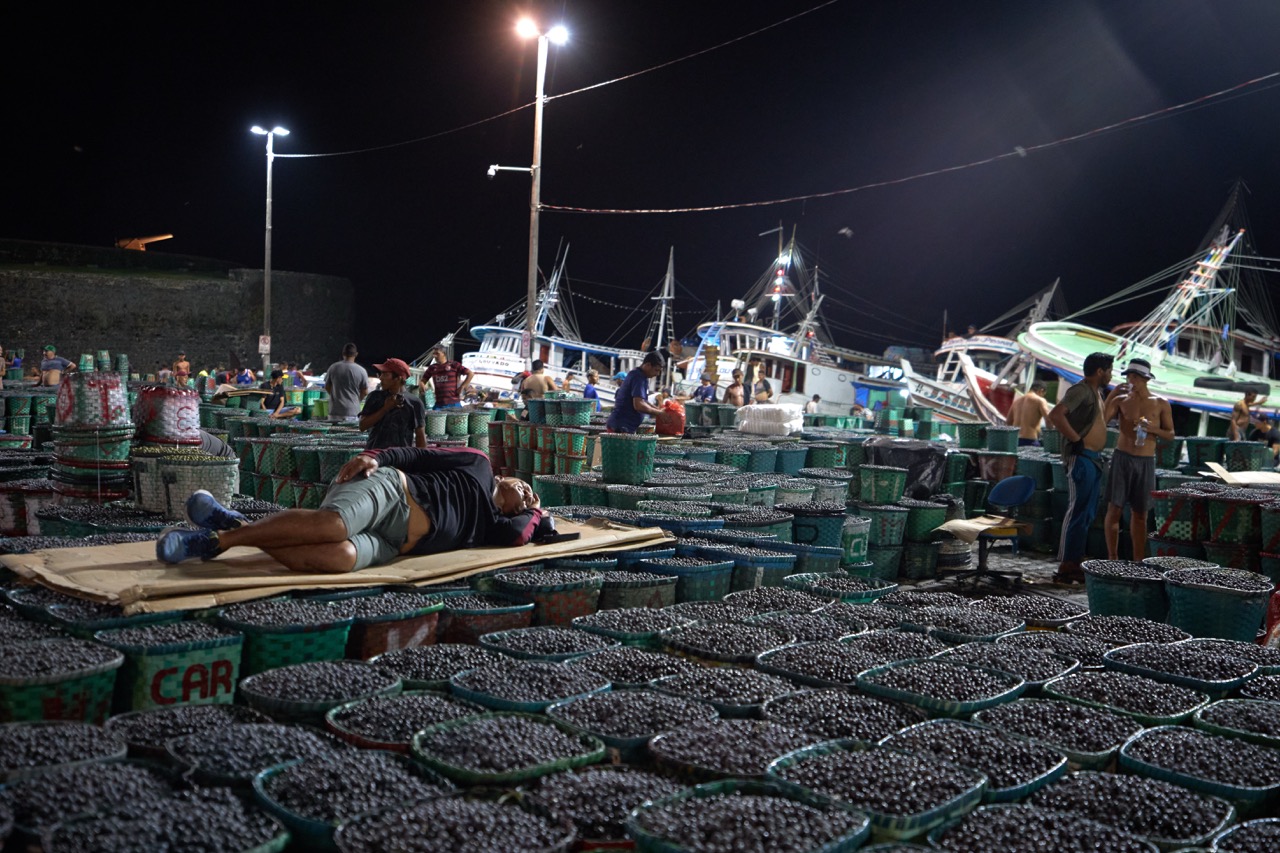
92,433
881,487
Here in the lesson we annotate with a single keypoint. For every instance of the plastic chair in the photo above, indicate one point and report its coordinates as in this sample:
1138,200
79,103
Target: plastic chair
1005,497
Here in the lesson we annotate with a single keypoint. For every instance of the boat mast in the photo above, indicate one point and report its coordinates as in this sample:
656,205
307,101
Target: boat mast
664,306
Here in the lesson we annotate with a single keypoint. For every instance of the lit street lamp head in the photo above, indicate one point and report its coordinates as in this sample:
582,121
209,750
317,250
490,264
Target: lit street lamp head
527,29
278,131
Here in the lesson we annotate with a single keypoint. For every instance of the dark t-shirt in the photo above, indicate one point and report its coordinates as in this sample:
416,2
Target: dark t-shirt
276,398
454,487
1082,405
705,394
399,426
625,418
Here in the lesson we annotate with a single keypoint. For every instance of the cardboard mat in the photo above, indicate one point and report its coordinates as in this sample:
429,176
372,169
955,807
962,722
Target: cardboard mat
131,576
968,529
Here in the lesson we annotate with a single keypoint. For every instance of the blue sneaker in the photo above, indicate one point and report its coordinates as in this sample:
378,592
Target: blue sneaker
178,543
203,510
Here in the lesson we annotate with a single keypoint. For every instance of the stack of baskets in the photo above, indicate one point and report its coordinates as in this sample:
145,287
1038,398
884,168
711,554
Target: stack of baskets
92,435
1235,527
1181,521
881,488
1040,512
920,547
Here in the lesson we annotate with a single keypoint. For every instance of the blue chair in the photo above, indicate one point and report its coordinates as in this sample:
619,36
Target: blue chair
1005,498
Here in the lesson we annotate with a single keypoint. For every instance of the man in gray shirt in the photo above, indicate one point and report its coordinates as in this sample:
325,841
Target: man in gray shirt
347,384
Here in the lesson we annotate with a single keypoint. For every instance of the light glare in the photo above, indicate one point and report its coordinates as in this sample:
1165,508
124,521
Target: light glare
526,28
558,35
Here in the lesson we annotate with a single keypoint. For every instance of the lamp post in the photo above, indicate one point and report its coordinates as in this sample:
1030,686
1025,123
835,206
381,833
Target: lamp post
266,259
528,29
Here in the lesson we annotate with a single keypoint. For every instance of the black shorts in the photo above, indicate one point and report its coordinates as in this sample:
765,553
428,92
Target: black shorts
1131,480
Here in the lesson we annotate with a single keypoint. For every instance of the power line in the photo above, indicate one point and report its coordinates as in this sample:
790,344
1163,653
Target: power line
1019,151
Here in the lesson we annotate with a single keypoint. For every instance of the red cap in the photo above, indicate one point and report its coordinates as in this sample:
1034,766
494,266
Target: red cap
394,366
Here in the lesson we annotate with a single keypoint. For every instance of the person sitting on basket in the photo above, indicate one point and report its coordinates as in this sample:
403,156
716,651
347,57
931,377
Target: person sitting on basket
383,503
275,402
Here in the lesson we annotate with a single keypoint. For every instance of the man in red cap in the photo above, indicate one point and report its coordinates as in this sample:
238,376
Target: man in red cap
393,418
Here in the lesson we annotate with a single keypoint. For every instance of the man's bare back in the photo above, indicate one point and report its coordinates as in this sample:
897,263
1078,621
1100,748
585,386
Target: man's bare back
1028,415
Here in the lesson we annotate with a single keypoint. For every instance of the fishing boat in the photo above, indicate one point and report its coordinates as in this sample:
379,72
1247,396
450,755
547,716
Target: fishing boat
505,351
1211,338
778,324
973,369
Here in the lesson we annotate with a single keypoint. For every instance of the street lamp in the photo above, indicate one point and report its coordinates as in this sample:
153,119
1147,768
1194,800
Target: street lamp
266,260
526,28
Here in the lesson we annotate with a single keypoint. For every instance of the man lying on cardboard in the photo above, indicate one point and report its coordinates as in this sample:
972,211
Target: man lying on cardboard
383,503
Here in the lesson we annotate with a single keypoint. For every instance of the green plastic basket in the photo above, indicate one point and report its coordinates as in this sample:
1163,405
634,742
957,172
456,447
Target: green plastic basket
204,672
279,645
922,518
593,752
1235,521
920,560
1215,611
885,563
83,696
556,604
883,824
882,484
1141,597
1003,439
627,458
641,592
972,436
709,581
819,527
653,843
888,524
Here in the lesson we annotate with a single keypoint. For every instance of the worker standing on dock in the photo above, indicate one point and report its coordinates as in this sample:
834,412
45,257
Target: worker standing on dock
1027,413
735,394
347,384
444,376
1132,477
392,417
631,403
1084,432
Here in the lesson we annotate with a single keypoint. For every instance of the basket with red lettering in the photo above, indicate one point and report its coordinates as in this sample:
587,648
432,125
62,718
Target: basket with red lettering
79,691
158,672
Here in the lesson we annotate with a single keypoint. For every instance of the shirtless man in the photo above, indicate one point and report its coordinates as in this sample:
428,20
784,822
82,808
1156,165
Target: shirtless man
1027,413
538,383
1133,465
1084,432
181,370
1240,416
735,394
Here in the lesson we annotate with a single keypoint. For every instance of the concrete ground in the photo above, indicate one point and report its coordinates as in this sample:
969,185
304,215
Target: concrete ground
1036,577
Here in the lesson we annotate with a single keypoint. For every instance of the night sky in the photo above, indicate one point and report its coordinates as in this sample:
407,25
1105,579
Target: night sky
133,121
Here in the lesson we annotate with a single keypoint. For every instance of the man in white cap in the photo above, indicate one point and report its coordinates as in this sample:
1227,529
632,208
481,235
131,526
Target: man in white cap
1143,417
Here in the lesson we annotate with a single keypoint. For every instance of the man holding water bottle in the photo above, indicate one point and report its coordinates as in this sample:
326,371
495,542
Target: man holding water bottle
392,417
1144,417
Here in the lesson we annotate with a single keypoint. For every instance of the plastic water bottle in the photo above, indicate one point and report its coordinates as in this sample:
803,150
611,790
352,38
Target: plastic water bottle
1139,435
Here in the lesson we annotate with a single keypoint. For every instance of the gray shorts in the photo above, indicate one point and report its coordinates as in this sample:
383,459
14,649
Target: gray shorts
1131,481
375,510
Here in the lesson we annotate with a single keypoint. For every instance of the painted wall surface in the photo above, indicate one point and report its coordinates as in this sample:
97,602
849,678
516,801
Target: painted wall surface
152,306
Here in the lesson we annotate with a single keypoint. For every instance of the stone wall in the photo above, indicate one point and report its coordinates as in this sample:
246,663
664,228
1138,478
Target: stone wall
209,310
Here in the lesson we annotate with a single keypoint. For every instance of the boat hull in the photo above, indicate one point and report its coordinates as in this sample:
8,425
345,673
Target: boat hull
1063,347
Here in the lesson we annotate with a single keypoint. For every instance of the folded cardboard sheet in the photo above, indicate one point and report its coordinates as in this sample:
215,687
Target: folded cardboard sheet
131,576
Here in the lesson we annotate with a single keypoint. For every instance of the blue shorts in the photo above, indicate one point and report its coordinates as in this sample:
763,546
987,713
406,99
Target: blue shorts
375,510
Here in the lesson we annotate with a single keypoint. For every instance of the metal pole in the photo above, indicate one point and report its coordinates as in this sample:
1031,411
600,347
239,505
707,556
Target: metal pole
535,196
266,265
